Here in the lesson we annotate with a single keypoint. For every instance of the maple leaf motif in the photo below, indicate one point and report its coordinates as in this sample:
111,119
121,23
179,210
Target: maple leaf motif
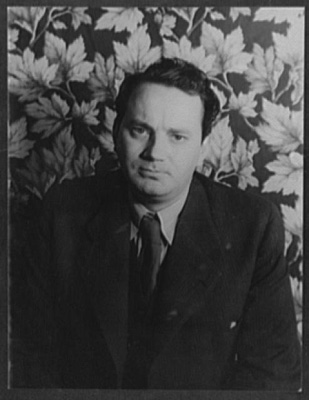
186,13
35,176
137,55
79,16
120,19
106,136
265,70
110,116
56,12
87,112
84,164
244,104
13,35
166,22
60,159
50,113
293,218
235,12
107,142
297,80
27,18
58,25
215,15
18,145
105,81
281,128
217,148
72,66
279,14
212,38
184,50
54,48
288,175
242,161
290,49
29,78
228,50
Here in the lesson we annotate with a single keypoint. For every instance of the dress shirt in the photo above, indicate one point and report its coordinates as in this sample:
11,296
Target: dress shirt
168,219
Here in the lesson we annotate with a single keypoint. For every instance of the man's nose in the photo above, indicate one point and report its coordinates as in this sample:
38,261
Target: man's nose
156,147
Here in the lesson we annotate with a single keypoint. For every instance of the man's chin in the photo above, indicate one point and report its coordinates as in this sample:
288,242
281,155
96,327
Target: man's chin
150,189
152,192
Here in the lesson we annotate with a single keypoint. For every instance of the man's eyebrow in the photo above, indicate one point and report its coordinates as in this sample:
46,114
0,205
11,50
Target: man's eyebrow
179,130
135,121
173,130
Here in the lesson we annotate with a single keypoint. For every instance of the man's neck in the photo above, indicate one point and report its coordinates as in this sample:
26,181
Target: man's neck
157,205
168,214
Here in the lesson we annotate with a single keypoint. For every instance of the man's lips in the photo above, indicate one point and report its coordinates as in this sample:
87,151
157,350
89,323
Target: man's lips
150,171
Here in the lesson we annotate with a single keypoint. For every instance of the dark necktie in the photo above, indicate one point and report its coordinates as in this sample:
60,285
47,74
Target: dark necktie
142,282
150,256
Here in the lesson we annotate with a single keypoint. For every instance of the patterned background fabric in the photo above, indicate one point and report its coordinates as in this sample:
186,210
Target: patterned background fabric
65,66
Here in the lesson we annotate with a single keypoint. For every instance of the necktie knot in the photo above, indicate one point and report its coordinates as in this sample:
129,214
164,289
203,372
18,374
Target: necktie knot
150,229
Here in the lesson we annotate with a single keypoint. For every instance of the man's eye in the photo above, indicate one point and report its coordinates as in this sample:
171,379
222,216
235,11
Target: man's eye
138,130
178,138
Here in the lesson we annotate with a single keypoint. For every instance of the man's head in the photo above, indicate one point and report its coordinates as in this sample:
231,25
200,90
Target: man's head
163,114
177,73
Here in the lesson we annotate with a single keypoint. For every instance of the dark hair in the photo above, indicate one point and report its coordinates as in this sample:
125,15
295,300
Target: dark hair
177,73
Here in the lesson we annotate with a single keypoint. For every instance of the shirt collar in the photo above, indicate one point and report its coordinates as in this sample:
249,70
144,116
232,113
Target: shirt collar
168,217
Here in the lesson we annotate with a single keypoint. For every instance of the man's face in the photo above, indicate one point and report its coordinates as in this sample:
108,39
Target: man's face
159,142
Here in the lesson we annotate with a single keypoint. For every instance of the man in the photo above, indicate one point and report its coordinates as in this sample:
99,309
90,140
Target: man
154,277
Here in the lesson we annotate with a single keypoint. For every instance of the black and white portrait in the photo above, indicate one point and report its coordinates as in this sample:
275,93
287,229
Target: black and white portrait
156,197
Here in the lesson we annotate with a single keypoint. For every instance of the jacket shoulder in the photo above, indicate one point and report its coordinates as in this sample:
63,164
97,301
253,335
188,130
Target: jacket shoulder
230,203
81,195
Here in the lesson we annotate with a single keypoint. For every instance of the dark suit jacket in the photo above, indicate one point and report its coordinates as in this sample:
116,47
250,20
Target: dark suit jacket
222,317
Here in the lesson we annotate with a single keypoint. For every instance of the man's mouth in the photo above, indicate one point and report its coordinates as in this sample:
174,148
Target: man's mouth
146,171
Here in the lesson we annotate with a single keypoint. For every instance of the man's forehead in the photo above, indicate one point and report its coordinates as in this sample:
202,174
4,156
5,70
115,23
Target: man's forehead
148,87
159,95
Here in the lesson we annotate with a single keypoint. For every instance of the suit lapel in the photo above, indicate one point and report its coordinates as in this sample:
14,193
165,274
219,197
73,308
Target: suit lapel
107,271
193,266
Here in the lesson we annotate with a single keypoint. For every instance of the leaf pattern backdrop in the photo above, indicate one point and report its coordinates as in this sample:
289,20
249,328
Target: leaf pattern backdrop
65,65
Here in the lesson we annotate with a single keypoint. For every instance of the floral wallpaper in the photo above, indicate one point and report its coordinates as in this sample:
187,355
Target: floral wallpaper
65,65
